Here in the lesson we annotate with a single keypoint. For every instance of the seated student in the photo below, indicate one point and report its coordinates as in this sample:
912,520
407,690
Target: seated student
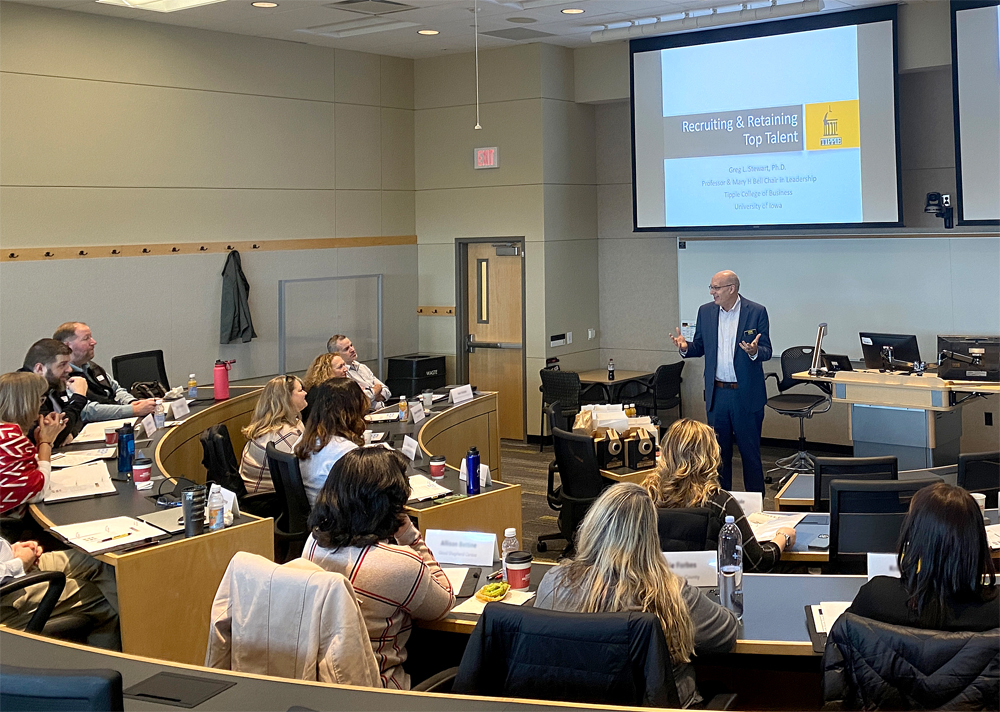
947,578
106,399
322,369
275,420
90,589
66,394
376,391
25,467
359,530
687,475
335,426
619,567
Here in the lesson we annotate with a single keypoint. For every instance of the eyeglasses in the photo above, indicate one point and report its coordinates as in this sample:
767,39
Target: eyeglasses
714,288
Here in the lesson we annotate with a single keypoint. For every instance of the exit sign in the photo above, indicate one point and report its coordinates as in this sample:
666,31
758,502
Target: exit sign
486,158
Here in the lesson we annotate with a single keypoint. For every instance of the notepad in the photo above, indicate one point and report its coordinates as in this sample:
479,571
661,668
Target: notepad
422,488
765,525
88,480
82,457
106,534
94,432
826,614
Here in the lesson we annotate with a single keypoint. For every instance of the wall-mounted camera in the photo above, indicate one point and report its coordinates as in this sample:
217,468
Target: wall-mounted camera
940,205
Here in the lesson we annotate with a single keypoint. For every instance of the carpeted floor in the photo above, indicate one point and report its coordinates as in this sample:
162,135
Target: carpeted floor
524,465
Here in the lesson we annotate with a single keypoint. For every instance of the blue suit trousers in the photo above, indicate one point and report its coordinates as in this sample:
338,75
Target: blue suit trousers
732,423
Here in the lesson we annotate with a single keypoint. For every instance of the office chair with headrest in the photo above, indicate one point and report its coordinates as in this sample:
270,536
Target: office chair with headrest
870,665
556,420
44,689
580,475
979,472
848,468
129,369
687,529
292,525
796,405
866,517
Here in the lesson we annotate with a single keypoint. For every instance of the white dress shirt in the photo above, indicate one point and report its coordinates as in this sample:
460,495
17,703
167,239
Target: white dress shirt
10,565
363,376
729,324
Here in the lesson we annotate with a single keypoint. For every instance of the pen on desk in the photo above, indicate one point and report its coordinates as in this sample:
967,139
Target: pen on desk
116,536
495,575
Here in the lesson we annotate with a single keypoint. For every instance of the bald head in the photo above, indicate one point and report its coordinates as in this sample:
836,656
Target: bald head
725,289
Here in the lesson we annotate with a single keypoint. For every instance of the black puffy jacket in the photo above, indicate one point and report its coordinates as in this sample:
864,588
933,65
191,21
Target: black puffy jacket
871,665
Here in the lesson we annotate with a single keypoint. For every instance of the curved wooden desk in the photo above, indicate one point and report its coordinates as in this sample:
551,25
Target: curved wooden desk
450,433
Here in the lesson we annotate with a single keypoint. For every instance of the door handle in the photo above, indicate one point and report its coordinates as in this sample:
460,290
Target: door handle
471,344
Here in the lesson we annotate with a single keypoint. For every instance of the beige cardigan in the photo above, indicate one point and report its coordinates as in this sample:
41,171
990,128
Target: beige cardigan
296,621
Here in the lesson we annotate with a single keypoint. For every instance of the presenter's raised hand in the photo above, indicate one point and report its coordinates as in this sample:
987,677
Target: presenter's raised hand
750,348
679,340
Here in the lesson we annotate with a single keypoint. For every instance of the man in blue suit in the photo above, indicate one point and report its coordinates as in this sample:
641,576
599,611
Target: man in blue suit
734,377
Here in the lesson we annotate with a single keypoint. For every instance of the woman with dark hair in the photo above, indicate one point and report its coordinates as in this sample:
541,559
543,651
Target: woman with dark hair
947,579
336,425
359,530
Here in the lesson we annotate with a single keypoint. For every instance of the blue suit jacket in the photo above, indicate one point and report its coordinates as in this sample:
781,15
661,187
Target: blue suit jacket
749,373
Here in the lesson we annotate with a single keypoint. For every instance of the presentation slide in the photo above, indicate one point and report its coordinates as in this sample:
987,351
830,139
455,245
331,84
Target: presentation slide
976,74
783,129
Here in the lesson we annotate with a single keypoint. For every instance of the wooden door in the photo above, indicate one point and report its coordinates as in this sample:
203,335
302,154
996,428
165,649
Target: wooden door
494,324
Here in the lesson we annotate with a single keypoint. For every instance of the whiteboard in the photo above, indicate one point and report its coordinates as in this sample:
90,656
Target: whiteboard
310,311
922,286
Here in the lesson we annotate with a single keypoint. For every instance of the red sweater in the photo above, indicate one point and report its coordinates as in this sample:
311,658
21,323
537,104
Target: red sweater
21,478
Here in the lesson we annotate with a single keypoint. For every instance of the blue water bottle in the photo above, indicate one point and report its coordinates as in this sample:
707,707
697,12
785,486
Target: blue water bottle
472,471
126,449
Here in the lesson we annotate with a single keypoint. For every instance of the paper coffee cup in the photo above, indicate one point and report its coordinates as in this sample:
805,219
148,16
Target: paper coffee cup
110,436
437,467
519,570
141,469
981,501
368,437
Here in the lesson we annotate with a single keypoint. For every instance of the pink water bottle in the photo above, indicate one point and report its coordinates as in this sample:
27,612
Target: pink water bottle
221,374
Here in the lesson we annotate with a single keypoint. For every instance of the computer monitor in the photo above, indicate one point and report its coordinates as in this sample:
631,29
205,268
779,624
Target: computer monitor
984,349
904,347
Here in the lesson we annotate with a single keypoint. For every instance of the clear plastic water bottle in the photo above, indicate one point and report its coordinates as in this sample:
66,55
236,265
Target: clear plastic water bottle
192,386
159,414
510,543
216,509
404,409
731,567
611,369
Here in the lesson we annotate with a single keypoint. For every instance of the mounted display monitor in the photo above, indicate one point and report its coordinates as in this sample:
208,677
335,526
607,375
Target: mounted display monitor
778,124
975,65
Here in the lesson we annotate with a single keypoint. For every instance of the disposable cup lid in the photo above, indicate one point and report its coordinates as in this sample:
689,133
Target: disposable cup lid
142,462
519,557
438,458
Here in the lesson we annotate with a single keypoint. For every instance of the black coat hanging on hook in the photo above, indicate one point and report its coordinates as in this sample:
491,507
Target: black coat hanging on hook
236,322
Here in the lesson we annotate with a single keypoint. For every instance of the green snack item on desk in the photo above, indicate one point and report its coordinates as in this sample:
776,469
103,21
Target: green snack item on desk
450,498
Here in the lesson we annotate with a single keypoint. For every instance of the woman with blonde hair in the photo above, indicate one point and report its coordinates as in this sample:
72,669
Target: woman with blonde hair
619,567
335,426
276,419
25,466
323,368
687,475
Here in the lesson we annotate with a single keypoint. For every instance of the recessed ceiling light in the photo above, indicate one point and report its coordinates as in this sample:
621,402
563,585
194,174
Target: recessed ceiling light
427,32
522,20
572,11
264,4
159,5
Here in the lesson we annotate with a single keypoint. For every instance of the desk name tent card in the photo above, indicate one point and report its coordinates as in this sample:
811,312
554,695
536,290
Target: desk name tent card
417,412
700,568
462,394
484,474
463,548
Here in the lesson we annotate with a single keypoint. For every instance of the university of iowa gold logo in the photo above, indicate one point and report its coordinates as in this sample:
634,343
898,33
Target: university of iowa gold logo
832,125
830,137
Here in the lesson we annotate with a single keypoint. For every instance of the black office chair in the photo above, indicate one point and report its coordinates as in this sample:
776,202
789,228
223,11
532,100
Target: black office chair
291,527
563,387
870,665
556,420
130,369
45,689
796,405
979,472
594,658
867,517
73,626
580,475
222,467
848,468
662,392
687,529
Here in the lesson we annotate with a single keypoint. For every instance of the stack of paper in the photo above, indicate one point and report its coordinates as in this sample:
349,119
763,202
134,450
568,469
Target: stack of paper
106,534
94,432
82,457
422,488
827,613
993,536
81,481
765,525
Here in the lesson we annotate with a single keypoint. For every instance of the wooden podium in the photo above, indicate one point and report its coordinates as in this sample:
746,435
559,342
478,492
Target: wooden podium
916,418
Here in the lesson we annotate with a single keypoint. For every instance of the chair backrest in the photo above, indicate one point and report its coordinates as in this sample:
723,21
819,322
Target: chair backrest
556,418
562,386
579,470
872,665
849,468
46,689
291,492
597,658
140,366
686,529
219,459
667,381
980,472
56,581
867,516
